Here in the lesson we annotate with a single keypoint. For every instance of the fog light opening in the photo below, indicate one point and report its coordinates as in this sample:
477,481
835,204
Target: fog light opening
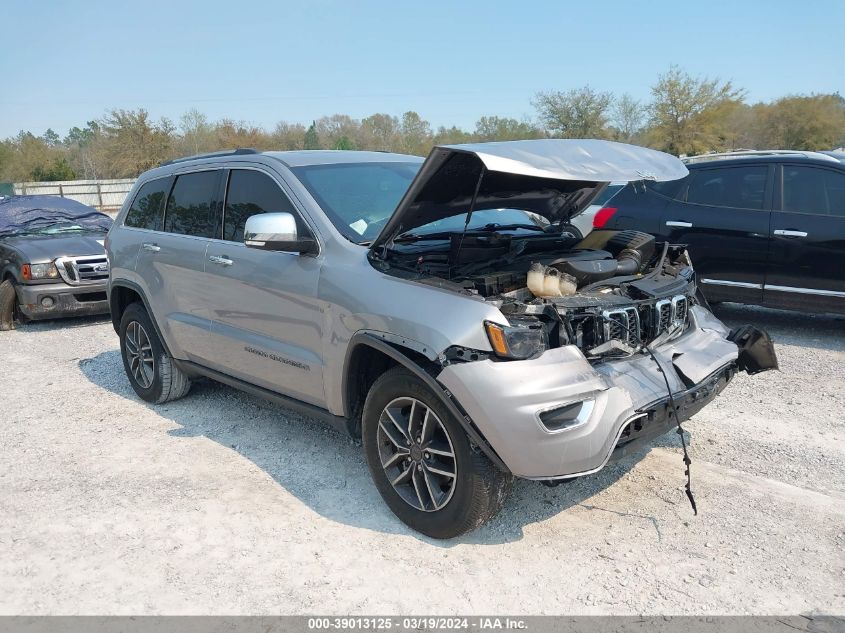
567,416
47,302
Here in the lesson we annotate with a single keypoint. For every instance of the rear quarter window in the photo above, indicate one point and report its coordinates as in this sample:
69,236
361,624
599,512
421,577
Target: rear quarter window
147,208
667,188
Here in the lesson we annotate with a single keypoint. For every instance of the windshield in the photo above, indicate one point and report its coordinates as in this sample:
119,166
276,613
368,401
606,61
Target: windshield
54,229
358,198
515,220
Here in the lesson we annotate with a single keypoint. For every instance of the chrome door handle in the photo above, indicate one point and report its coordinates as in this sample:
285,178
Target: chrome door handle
790,233
684,225
223,261
153,248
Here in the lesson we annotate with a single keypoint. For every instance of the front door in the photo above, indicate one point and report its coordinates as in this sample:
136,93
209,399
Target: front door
807,263
266,320
724,219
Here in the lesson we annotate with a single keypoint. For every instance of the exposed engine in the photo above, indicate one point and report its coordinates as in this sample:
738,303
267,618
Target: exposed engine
610,293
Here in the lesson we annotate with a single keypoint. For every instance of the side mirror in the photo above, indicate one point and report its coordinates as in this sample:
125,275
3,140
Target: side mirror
277,232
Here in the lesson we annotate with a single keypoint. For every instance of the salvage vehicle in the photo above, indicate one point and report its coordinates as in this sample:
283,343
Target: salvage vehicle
440,310
52,259
764,227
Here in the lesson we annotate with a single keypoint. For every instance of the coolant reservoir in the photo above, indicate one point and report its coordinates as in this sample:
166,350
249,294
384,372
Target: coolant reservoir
568,285
536,275
551,283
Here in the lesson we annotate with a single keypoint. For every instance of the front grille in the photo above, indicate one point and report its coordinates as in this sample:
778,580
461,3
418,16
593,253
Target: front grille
623,325
639,325
78,271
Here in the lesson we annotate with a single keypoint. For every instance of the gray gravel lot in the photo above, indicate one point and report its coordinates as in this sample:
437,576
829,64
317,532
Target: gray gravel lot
223,503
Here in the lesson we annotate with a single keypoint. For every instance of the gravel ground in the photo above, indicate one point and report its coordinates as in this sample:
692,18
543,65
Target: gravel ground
223,504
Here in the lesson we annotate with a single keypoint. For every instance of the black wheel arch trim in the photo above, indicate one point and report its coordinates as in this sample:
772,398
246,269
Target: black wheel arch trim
444,395
115,319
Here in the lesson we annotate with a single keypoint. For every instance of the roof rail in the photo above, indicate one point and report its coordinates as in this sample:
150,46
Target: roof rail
755,152
228,152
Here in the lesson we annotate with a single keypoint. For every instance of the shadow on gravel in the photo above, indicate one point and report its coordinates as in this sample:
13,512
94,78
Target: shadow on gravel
69,323
327,470
819,331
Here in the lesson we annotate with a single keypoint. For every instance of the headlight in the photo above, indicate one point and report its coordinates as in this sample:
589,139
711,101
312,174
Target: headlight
39,271
516,342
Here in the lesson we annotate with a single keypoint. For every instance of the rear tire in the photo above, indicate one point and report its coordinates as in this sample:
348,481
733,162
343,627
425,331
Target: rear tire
151,371
8,303
427,500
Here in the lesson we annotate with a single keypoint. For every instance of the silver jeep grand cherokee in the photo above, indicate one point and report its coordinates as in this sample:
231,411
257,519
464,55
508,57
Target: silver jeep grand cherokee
445,311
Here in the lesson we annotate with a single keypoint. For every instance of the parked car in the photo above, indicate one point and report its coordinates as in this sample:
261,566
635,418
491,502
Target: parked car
584,220
840,156
52,259
764,228
421,307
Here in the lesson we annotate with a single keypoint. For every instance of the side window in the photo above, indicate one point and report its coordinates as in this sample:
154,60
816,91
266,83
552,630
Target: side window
804,189
190,208
742,187
668,188
147,209
835,187
249,193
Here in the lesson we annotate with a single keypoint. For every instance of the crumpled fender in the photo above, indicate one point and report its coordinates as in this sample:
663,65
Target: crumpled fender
756,350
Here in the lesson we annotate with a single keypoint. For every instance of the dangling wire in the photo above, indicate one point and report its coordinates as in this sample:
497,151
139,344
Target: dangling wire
687,460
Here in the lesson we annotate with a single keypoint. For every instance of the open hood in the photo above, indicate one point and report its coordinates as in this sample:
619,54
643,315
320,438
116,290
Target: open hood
555,178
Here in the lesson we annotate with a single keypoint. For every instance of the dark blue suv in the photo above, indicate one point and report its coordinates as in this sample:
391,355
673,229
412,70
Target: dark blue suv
764,228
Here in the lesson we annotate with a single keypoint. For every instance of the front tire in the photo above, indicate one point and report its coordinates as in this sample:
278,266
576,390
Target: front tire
151,371
8,300
422,462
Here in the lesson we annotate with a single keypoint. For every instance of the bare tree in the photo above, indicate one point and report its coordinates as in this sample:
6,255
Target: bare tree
627,116
197,132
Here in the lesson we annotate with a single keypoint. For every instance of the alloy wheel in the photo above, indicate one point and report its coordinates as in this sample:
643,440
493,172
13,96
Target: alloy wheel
416,454
139,354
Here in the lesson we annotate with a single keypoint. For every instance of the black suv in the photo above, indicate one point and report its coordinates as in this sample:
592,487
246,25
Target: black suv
765,228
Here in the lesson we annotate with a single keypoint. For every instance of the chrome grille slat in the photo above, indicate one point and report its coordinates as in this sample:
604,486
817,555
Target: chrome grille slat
78,271
627,326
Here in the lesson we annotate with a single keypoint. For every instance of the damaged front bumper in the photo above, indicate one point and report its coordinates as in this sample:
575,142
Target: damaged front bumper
58,300
559,416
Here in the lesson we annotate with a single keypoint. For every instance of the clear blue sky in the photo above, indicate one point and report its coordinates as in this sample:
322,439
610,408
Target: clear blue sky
64,63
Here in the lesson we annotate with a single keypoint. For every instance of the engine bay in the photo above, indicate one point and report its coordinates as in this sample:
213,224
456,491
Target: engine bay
610,293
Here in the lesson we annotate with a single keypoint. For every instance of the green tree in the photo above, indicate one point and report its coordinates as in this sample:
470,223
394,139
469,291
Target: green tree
496,128
416,134
688,114
57,169
130,142
51,138
453,135
344,143
810,122
312,140
578,113
381,132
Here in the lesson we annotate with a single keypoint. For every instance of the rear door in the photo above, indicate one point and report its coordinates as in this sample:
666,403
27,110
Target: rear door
723,216
171,262
807,264
267,321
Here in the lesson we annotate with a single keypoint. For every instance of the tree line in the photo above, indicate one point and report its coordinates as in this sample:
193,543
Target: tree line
685,115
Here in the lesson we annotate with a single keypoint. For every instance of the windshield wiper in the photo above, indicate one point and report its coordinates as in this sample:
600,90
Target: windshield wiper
510,227
487,228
